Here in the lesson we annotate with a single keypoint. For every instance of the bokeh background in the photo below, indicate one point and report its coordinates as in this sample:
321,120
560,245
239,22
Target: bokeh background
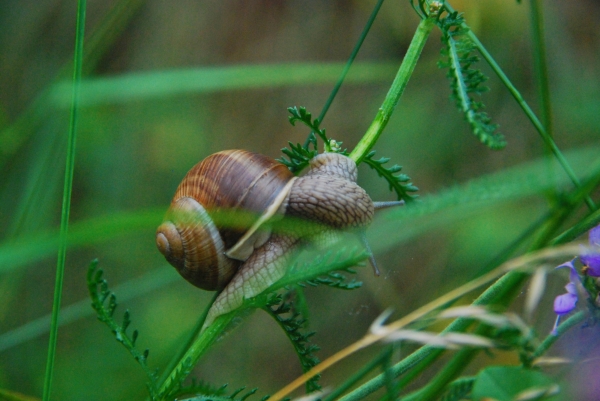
168,83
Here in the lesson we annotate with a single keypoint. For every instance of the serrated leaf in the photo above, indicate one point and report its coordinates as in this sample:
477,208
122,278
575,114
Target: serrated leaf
292,324
98,291
306,118
465,81
399,183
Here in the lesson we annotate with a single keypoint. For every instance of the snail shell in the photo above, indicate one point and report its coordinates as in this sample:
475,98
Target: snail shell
243,262
236,180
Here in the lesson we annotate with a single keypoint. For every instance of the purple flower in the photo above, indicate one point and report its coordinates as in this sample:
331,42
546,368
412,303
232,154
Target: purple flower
565,303
591,261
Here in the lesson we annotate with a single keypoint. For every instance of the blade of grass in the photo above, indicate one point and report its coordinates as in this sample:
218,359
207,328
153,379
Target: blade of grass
357,47
66,205
541,67
508,273
147,85
108,30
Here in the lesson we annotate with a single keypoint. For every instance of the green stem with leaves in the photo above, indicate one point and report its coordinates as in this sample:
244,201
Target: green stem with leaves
549,142
66,205
393,96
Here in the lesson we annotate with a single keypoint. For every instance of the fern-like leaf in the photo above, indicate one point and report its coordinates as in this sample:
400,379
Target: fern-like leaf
299,156
465,81
305,117
399,183
99,294
280,307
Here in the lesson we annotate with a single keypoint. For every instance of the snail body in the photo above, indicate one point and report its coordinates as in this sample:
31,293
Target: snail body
243,263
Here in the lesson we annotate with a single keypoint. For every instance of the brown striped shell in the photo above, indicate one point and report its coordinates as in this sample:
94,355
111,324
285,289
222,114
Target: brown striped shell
206,254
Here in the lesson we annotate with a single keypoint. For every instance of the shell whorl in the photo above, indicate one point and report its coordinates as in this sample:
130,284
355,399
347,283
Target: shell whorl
226,181
188,238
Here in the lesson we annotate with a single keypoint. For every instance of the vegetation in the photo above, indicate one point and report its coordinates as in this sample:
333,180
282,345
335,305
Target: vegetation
469,305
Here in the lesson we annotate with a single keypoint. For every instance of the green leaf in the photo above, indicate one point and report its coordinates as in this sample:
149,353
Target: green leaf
399,183
299,156
465,81
99,293
305,117
506,383
281,308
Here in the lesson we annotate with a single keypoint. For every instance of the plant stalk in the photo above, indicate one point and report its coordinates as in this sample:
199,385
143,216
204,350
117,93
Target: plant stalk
66,205
528,112
393,96
193,354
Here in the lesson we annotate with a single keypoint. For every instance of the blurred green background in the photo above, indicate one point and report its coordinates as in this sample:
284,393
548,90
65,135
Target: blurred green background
168,83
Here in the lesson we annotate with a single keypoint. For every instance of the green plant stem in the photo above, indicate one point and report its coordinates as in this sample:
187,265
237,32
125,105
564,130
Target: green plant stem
342,77
562,329
496,291
505,294
540,65
527,110
194,352
421,359
584,225
179,356
438,384
66,205
393,96
99,42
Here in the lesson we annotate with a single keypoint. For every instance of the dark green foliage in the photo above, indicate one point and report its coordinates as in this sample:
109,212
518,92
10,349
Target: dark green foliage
459,389
505,383
298,155
281,308
306,118
99,293
464,81
512,338
399,183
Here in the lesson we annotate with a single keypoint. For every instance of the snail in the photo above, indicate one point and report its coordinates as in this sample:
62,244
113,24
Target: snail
244,262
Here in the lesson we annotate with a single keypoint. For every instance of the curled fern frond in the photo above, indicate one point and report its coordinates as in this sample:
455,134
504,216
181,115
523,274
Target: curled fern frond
99,294
465,81
280,307
399,183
